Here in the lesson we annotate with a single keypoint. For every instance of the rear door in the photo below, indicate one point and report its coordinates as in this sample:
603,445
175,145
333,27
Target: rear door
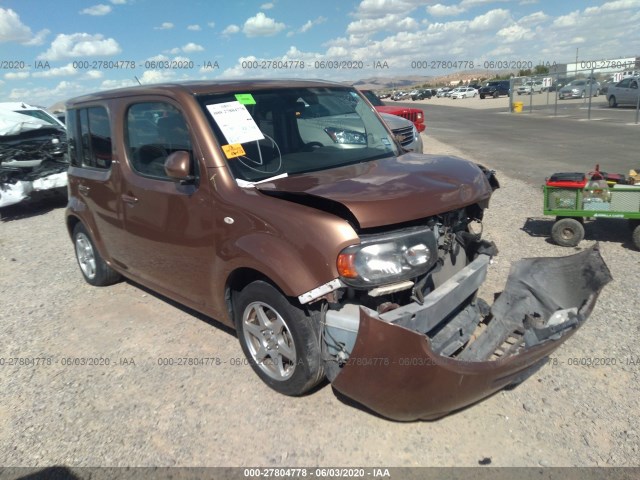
94,175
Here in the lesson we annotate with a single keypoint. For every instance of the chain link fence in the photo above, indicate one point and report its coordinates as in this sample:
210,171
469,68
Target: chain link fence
584,93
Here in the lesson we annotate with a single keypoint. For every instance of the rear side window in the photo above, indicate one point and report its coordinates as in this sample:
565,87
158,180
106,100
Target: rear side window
154,131
89,135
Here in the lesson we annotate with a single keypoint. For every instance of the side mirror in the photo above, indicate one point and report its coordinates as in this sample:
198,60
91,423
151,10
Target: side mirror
177,166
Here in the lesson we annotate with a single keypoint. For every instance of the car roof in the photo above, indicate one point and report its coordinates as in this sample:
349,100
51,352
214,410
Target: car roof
200,88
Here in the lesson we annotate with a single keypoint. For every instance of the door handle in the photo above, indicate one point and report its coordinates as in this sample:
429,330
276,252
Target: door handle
83,189
129,199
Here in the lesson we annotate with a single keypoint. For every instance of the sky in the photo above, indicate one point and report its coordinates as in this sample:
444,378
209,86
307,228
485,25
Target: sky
54,50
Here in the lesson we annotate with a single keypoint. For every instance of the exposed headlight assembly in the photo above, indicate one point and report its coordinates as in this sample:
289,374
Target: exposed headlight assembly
388,258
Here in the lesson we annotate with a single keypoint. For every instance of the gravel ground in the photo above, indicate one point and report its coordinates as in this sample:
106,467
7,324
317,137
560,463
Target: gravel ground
135,412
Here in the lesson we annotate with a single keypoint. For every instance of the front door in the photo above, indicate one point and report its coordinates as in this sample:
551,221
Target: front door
168,225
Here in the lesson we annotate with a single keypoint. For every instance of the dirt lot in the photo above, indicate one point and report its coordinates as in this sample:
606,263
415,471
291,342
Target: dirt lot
538,100
135,412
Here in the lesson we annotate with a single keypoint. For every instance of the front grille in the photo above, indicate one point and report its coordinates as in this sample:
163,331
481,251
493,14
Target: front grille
406,133
409,116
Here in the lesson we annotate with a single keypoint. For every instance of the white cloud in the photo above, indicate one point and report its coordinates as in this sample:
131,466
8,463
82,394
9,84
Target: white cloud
66,71
93,74
157,76
194,28
110,84
475,3
262,26
11,28
388,22
266,6
118,2
96,10
16,75
231,29
534,18
211,24
192,47
165,26
440,10
568,20
308,26
491,20
38,39
515,33
80,45
48,95
377,8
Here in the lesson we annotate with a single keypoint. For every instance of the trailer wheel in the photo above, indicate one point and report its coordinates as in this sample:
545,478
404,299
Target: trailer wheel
636,237
567,232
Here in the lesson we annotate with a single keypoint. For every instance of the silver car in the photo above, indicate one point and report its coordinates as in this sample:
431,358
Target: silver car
625,92
404,131
579,89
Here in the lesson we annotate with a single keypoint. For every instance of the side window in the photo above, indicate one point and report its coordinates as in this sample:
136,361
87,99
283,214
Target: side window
89,137
634,84
155,130
624,83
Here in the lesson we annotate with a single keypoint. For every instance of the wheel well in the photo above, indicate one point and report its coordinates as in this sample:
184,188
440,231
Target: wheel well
71,224
239,279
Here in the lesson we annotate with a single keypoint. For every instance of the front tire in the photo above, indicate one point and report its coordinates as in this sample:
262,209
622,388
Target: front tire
93,267
278,338
567,232
612,102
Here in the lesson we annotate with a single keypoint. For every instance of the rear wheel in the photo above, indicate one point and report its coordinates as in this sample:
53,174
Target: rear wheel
567,232
496,94
278,338
612,102
94,269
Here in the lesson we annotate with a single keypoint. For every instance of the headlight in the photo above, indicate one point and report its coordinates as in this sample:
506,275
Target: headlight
343,136
389,258
419,115
415,133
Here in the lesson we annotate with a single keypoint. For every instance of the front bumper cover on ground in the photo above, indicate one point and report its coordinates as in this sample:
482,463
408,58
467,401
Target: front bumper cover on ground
393,370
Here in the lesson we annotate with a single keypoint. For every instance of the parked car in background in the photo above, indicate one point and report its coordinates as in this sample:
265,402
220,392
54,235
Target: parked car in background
33,151
421,94
442,92
464,92
530,87
579,89
400,96
414,115
382,96
495,88
625,92
405,132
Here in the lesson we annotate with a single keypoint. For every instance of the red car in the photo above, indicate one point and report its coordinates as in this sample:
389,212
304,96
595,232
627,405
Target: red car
414,114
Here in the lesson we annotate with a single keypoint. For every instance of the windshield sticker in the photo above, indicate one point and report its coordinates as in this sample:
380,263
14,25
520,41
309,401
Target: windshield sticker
236,122
386,141
245,98
233,151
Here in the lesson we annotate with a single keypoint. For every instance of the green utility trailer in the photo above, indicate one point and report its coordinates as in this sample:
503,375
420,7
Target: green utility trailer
571,206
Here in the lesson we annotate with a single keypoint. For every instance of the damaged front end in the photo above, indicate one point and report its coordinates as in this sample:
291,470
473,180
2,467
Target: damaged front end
423,348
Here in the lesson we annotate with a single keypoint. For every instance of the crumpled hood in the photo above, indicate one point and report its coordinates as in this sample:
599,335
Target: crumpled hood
390,190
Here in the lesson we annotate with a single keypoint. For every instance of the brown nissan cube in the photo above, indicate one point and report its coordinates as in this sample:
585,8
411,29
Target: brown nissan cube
289,211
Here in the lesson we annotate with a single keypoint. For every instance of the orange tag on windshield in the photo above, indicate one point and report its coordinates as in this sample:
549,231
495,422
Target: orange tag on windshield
233,151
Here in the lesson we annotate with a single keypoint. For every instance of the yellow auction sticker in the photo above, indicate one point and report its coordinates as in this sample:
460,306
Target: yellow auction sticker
233,151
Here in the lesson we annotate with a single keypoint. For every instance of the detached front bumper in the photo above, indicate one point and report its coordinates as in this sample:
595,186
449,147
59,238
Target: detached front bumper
404,372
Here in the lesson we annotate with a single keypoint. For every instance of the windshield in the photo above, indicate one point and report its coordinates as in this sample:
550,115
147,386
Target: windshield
375,101
578,82
266,133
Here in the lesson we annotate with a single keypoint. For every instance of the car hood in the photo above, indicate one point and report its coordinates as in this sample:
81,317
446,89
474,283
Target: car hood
387,191
396,110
